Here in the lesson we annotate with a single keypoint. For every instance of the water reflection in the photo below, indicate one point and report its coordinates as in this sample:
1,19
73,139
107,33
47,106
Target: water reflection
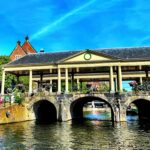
132,118
88,134
97,114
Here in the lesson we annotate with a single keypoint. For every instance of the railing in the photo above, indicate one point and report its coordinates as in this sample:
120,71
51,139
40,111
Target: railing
10,99
6,99
106,94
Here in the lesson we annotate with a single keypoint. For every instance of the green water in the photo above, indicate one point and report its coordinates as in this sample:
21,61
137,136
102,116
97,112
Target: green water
82,135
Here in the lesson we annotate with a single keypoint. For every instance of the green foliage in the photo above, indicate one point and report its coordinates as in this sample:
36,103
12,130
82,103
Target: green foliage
104,87
9,77
124,90
18,96
25,81
3,60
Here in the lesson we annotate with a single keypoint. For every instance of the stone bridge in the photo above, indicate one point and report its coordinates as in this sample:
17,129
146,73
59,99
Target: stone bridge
70,106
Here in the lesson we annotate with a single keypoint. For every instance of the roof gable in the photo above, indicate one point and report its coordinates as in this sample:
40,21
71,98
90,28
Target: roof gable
88,55
17,51
27,47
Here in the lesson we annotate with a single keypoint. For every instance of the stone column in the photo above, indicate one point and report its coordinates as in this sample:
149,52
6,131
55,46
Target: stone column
120,79
141,81
78,81
116,84
30,81
111,79
77,70
66,80
59,80
50,82
3,82
51,86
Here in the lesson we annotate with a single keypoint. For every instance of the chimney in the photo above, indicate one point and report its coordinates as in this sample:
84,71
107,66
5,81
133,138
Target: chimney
42,50
27,38
18,42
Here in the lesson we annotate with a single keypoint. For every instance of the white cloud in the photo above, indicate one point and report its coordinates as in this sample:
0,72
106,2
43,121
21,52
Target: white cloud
79,12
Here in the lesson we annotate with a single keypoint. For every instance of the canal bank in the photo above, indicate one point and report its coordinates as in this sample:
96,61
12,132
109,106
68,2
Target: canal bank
15,113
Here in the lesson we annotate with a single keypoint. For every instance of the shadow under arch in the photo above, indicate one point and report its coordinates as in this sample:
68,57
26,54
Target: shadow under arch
143,106
45,112
76,107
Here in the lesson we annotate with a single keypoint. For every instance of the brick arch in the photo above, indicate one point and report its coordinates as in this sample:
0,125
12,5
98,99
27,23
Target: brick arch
135,98
143,104
100,96
45,111
36,99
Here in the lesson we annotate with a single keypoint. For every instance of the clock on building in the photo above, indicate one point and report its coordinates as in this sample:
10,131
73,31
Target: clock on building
87,56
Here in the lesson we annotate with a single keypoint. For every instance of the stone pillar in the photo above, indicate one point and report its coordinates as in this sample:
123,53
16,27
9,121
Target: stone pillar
41,81
141,81
30,81
59,80
50,82
116,84
111,79
51,86
60,111
3,82
66,80
120,79
77,69
72,81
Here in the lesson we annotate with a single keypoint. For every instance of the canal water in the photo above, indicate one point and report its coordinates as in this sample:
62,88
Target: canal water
75,135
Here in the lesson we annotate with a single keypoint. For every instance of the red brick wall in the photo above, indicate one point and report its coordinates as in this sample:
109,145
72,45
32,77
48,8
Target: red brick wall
17,51
28,48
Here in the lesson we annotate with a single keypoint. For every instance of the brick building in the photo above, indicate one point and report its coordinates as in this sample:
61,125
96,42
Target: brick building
22,50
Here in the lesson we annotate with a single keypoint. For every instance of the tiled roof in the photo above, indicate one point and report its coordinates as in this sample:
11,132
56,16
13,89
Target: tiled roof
47,58
128,53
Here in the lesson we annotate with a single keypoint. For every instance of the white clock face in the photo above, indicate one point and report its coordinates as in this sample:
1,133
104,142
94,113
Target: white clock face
87,56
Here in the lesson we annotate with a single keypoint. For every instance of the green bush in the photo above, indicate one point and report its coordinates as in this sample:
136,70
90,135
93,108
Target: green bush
18,96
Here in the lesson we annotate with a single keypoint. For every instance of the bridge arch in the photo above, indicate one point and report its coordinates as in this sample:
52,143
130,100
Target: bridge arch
45,111
143,106
76,107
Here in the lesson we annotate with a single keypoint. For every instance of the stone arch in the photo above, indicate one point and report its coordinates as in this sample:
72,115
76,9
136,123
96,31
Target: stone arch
45,111
77,105
143,106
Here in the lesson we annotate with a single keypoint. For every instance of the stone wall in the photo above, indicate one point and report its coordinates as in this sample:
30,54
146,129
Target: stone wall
15,113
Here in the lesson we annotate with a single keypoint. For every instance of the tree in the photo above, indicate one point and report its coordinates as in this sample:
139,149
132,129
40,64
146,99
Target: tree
9,77
3,60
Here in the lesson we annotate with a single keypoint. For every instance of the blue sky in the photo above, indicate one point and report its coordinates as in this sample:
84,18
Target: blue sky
58,25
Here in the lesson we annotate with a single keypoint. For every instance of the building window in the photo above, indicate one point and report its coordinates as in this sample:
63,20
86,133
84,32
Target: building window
17,57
